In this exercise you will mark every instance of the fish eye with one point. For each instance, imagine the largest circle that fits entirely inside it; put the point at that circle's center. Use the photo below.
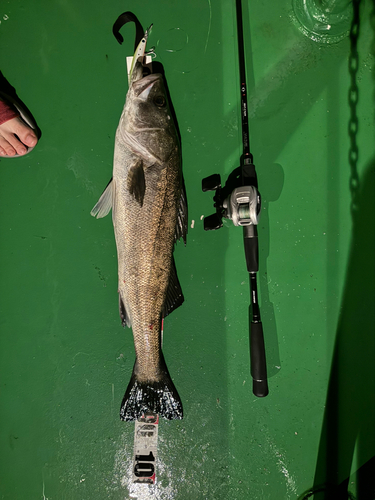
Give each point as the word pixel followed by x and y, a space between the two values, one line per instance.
pixel 159 101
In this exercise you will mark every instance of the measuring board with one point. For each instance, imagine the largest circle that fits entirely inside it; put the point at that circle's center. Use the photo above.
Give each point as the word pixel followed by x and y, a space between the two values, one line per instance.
pixel 129 60
pixel 145 449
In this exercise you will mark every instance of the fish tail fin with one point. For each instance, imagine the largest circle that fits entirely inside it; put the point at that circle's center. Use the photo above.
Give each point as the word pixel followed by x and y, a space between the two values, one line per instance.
pixel 159 397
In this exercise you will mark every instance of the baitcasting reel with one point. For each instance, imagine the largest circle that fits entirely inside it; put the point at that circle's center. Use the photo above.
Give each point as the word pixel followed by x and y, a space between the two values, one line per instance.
pixel 242 205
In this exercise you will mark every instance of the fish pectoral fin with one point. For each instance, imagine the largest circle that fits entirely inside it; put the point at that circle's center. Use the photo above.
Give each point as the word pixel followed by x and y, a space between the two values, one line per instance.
pixel 137 182
pixel 174 296
pixel 104 205
pixel 125 320
pixel 182 217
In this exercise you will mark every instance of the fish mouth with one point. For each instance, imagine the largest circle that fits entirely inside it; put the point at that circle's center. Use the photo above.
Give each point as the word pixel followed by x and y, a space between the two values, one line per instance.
pixel 143 87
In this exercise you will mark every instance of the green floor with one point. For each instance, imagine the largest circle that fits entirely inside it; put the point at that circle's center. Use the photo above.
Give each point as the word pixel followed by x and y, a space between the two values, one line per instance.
pixel 65 360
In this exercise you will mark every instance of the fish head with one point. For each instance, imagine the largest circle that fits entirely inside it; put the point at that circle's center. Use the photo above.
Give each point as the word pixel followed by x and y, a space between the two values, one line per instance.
pixel 148 117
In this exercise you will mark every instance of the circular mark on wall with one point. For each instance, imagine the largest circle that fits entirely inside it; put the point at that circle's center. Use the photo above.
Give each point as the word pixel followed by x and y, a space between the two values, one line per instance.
pixel 175 50
pixel 174 40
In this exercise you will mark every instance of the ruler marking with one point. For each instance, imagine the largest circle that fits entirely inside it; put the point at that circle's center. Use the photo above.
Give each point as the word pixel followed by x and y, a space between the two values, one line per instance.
pixel 145 449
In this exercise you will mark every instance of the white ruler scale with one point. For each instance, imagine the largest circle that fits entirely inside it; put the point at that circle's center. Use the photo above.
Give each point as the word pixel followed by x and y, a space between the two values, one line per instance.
pixel 145 449
pixel 146 444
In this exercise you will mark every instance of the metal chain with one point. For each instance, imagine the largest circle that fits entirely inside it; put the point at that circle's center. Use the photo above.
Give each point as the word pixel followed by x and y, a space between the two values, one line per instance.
pixel 353 101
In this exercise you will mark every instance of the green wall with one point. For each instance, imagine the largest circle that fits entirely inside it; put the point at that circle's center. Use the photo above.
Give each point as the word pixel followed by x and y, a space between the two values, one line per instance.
pixel 65 360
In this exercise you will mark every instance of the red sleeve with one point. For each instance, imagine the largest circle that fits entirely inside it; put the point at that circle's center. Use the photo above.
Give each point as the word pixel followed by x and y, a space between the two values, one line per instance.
pixel 6 113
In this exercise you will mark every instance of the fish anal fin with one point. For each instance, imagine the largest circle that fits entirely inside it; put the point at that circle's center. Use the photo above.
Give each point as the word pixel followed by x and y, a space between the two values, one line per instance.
pixel 104 205
pixel 174 296
pixel 136 182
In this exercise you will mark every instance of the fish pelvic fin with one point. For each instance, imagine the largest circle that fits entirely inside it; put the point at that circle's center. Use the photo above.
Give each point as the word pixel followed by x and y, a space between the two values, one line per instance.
pixel 159 397
pixel 104 205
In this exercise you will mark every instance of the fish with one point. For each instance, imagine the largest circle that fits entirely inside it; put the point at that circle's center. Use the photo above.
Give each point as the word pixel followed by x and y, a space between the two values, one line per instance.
pixel 149 213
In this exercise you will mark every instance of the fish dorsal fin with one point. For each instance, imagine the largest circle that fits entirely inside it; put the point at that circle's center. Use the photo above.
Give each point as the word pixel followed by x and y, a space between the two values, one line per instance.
pixel 137 182
pixel 182 217
pixel 104 204
pixel 174 296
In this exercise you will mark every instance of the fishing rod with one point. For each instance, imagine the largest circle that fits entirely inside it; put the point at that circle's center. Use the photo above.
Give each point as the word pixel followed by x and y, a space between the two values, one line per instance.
pixel 240 201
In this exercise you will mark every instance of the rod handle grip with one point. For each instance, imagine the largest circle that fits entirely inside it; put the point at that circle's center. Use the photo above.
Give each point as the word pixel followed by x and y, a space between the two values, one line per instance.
pixel 258 360
pixel 250 234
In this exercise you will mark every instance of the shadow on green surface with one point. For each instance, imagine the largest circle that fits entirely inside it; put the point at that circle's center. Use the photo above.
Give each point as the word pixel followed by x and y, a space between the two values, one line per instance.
pixel 348 432
pixel 270 193
pixel 350 408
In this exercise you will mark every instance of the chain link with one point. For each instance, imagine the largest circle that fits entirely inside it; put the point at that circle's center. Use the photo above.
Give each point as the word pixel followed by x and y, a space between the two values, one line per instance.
pixel 353 101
